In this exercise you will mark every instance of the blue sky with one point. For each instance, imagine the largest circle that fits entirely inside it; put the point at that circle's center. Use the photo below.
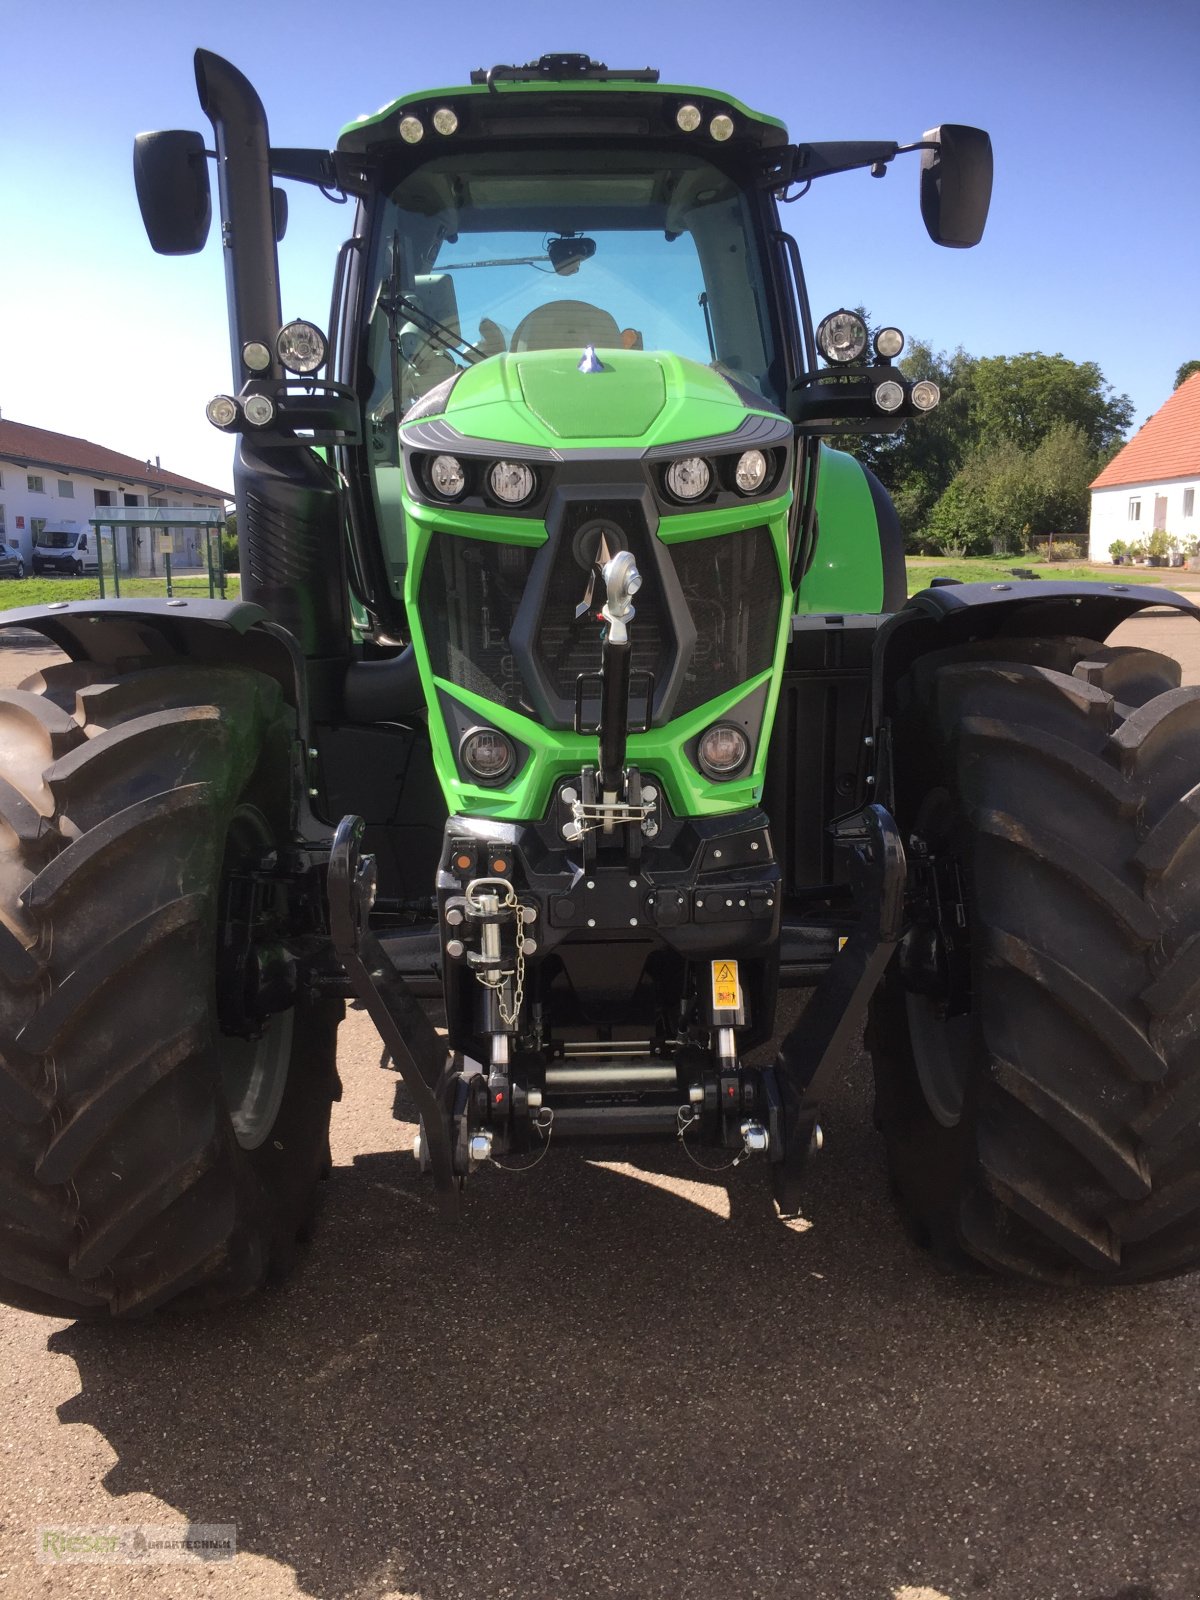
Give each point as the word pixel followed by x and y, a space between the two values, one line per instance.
pixel 1093 246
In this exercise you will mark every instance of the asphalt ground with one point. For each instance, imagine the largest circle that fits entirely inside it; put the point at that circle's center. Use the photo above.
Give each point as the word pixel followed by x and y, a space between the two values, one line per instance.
pixel 618 1376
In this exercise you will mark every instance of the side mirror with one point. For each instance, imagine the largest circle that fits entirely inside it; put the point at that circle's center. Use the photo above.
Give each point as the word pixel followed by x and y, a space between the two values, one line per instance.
pixel 279 205
pixel 956 184
pixel 170 172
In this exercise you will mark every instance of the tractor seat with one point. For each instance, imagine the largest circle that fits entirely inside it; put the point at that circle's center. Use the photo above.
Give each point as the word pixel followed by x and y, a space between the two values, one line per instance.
pixel 565 325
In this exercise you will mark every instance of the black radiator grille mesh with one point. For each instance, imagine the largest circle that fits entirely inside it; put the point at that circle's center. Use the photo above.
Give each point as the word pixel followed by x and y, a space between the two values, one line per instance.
pixel 731 587
pixel 470 591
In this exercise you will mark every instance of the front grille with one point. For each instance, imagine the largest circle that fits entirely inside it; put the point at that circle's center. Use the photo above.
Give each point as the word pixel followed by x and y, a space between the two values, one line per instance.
pixel 563 648
pixel 500 619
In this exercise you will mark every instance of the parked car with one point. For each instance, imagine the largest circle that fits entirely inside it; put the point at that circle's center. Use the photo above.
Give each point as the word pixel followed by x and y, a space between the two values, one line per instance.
pixel 12 562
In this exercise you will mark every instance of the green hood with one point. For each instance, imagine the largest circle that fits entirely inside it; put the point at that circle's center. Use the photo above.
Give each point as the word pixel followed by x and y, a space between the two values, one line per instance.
pixel 642 398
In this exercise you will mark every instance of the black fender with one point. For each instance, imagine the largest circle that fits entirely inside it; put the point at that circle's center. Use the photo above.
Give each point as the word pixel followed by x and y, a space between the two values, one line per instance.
pixel 937 619
pixel 225 633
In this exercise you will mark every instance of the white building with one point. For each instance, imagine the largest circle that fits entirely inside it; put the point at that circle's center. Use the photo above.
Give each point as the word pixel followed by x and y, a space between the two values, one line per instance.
pixel 1154 482
pixel 52 477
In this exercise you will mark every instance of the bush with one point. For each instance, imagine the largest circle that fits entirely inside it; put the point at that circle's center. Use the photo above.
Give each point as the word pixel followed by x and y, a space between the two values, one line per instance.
pixel 1065 550
pixel 1118 548
pixel 1159 543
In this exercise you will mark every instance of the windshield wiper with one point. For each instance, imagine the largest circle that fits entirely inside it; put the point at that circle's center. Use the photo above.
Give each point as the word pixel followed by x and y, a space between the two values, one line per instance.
pixel 500 261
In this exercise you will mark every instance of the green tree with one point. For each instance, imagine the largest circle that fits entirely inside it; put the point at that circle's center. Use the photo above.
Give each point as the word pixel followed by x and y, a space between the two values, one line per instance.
pixel 229 543
pixel 989 504
pixel 1002 496
pixel 1008 452
pixel 1061 470
pixel 1186 371
pixel 1023 397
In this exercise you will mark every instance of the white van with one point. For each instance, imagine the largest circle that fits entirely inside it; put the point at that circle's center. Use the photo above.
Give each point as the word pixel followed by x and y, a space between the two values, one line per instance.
pixel 65 547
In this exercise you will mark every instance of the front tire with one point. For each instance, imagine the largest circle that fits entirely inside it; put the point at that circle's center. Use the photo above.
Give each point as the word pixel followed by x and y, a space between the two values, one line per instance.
pixel 1039 1090
pixel 135 1168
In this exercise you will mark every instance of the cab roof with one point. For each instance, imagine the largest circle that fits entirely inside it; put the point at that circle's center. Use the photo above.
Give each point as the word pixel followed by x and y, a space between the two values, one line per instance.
pixel 564 96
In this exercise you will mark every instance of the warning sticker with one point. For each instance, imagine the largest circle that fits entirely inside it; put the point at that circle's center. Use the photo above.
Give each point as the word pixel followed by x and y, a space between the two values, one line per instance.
pixel 726 989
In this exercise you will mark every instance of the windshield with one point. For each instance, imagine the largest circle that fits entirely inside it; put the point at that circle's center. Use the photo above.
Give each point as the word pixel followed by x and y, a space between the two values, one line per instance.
pixel 537 250
pixel 56 540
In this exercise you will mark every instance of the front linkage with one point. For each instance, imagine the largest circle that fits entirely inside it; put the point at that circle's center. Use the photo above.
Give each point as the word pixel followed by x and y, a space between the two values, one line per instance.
pixel 509 898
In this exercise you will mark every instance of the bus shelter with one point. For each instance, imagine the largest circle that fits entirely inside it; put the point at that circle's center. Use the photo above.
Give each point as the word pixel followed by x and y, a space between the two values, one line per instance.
pixel 161 520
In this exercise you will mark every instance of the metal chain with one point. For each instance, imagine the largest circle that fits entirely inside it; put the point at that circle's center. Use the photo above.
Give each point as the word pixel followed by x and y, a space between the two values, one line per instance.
pixel 509 1018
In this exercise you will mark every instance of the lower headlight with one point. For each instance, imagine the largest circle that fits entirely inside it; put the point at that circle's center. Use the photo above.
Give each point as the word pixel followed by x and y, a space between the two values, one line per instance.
pixel 925 395
pixel 511 481
pixel 722 750
pixel 689 477
pixel 487 755
pixel 258 410
pixel 447 476
pixel 751 471
pixel 889 396
pixel 221 411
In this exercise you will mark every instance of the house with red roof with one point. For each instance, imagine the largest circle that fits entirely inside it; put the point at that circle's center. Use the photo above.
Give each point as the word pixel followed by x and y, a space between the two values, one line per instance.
pixel 54 478
pixel 1154 481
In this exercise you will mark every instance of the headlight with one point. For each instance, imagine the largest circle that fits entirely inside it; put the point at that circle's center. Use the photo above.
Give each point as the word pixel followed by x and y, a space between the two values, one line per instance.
pixel 445 120
pixel 512 482
pixel 301 347
pixel 447 476
pixel 412 130
pixel 487 754
pixel 889 396
pixel 688 118
pixel 722 750
pixel 751 471
pixel 221 411
pixel 842 336
pixel 925 395
pixel 888 343
pixel 689 477
pixel 258 410
pixel 256 355
pixel 721 128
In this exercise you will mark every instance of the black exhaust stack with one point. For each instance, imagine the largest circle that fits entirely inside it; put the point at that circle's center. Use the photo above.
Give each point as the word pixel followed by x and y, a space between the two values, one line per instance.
pixel 291 549
pixel 230 102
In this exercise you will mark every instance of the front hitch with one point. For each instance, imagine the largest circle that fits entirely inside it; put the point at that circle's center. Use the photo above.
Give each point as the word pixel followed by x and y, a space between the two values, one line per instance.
pixel 622 580
pixel 610 795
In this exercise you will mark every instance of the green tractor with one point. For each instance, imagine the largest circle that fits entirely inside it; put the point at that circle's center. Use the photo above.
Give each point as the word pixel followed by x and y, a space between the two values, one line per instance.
pixel 573 689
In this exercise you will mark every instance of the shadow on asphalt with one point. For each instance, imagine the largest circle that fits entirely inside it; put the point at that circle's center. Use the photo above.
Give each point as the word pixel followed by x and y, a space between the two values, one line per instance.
pixel 597 1388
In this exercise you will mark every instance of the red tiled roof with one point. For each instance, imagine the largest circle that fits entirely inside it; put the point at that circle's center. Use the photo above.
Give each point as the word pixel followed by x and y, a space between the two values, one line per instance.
pixel 38 447
pixel 1167 446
